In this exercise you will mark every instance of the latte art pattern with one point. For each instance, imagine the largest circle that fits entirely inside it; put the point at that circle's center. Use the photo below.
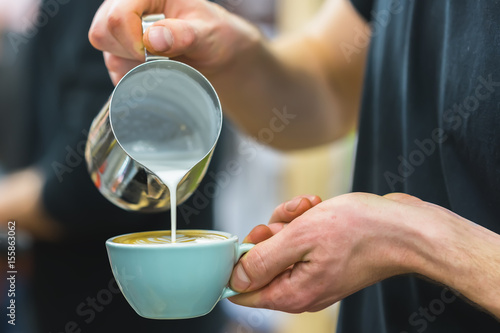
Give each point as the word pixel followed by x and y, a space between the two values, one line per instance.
pixel 152 238
pixel 180 239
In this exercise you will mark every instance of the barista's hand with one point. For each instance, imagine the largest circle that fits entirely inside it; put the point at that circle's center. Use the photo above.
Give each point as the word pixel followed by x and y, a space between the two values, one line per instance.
pixel 196 32
pixel 324 254
pixel 352 241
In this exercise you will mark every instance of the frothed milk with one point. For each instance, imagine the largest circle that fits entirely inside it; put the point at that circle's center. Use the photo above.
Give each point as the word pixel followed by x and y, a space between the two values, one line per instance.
pixel 164 237
pixel 169 150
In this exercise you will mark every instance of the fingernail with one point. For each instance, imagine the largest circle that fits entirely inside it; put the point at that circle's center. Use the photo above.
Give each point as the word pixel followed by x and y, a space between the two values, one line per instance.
pixel 160 38
pixel 242 282
pixel 292 205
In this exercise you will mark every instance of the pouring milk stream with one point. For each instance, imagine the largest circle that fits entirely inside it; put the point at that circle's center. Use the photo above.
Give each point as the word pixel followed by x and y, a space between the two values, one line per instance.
pixel 169 151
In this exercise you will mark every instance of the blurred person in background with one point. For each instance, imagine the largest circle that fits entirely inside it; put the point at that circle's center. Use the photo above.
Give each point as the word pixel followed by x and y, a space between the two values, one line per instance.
pixel 52 85
pixel 428 90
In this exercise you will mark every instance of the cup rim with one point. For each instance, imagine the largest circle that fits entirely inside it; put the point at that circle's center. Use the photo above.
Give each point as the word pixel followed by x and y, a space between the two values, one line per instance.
pixel 187 68
pixel 230 238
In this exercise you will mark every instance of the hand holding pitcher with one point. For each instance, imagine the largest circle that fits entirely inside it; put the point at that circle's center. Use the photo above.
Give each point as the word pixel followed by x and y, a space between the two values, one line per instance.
pixel 198 33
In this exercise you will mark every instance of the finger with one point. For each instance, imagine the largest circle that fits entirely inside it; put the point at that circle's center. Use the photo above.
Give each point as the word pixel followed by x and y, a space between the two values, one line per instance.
pixel 265 261
pixel 117 26
pixel 263 232
pixel 290 210
pixel 172 37
pixel 263 298
pixel 101 38
pixel 287 292
pixel 118 66
pixel 258 234
pixel 124 21
pixel 276 227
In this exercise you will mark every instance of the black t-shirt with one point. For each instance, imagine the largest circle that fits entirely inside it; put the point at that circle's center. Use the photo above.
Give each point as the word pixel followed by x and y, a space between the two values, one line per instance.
pixel 429 127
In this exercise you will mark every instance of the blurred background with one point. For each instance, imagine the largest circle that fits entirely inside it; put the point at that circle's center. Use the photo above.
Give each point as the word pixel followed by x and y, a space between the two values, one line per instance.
pixel 52 84
pixel 272 177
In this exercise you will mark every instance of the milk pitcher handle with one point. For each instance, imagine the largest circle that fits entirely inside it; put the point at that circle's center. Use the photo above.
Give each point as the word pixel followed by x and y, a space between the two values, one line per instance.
pixel 148 21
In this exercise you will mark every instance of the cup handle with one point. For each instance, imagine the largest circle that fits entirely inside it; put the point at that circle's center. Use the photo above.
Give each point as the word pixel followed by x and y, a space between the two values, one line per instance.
pixel 242 249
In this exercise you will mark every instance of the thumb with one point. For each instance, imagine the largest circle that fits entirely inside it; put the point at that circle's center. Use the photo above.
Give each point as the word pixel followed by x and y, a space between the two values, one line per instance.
pixel 264 262
pixel 170 37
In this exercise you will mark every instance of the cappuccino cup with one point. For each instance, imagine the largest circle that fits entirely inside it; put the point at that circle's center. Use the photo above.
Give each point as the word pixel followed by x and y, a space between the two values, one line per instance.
pixel 162 279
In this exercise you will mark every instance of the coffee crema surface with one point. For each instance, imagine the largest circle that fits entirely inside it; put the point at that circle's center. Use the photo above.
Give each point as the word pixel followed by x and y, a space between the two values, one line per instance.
pixel 164 237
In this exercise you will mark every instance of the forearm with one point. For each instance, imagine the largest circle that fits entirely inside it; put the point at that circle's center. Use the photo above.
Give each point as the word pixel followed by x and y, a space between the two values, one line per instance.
pixel 306 80
pixel 460 254
pixel 282 102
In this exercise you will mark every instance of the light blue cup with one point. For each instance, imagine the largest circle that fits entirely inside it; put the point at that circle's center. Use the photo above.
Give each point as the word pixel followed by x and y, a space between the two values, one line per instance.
pixel 175 281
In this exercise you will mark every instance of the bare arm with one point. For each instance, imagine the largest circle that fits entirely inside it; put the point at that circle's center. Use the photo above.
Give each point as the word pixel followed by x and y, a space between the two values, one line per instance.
pixel 305 73
pixel 304 76
pixel 462 255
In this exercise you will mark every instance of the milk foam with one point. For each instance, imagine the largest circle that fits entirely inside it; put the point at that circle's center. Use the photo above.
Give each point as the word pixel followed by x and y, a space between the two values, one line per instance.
pixel 152 238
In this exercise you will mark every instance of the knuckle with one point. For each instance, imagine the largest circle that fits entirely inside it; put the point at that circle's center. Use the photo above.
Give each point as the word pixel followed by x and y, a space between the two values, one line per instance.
pixel 268 303
pixel 393 196
pixel 188 41
pixel 278 210
pixel 352 202
pixel 291 297
pixel 401 197
pixel 297 307
pixel 356 197
pixel 301 301
pixel 188 37
pixel 114 21
pixel 96 37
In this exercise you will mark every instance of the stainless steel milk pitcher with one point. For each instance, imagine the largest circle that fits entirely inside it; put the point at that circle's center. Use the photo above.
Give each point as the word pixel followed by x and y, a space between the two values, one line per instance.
pixel 173 93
